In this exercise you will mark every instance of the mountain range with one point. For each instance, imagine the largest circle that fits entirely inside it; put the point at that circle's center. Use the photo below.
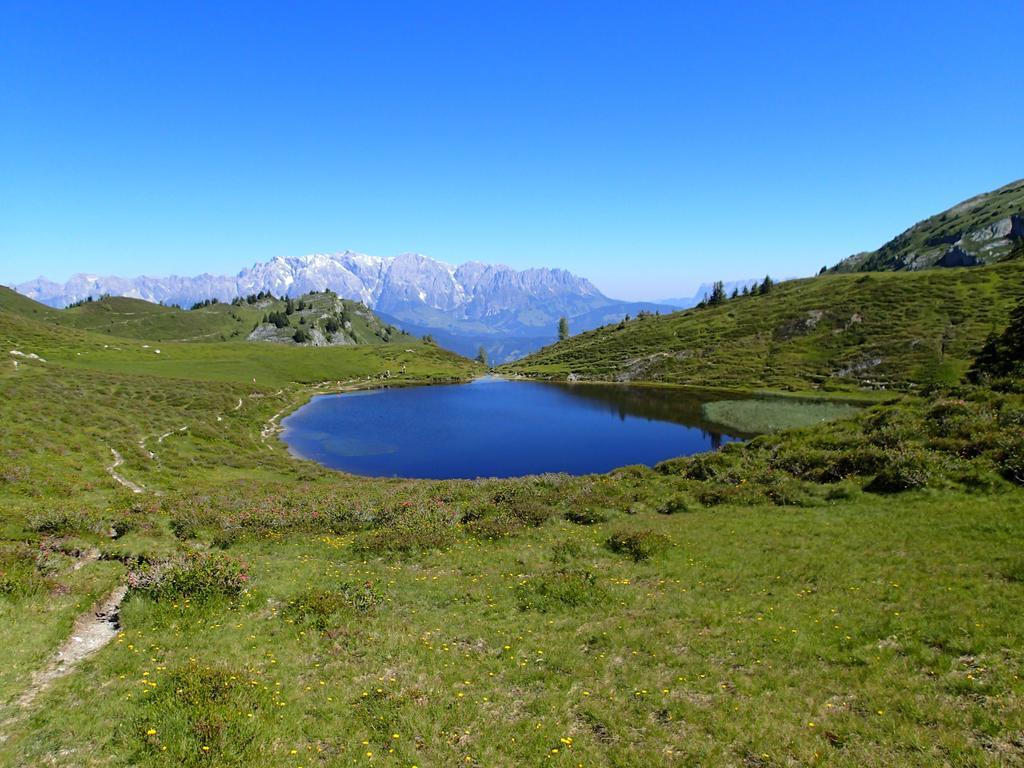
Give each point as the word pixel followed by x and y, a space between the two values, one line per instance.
pixel 509 312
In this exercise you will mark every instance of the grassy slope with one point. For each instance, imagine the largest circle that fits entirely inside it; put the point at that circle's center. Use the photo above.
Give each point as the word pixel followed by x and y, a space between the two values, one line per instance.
pixel 787 622
pixel 921 327
pixel 935 233
pixel 137 319
pixel 357 323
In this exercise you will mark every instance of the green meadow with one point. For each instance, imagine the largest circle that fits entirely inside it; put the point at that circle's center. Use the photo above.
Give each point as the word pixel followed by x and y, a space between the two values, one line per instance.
pixel 847 593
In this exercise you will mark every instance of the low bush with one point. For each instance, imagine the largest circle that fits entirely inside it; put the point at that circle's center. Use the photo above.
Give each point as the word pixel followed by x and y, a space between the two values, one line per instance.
pixel 410 527
pixel 1011 459
pixel 62 522
pixel 184 526
pixel 493 527
pixel 563 587
pixel 702 466
pixel 193 575
pixel 637 545
pixel 225 538
pixel 323 609
pixel 675 505
pixel 903 470
pixel 565 550
pixel 586 516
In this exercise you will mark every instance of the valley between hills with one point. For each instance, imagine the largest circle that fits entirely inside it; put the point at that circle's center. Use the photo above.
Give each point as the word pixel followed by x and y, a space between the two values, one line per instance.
pixel 177 589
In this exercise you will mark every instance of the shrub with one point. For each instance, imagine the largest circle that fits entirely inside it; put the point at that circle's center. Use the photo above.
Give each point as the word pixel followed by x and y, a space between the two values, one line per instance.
pixel 632 471
pixel 637 545
pixel 1011 459
pixel 225 538
pixel 572 587
pixel 407 527
pixel 586 516
pixel 520 502
pixel 60 522
pixel 565 550
pixel 494 526
pixel 184 526
pixel 675 505
pixel 193 575
pixel 903 471
pixel 702 466
pixel 323 609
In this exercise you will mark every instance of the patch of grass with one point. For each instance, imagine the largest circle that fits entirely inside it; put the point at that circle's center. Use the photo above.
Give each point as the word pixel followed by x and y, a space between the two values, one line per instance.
pixel 762 415
pixel 560 589
pixel 200 716
pixel 323 609
pixel 20 575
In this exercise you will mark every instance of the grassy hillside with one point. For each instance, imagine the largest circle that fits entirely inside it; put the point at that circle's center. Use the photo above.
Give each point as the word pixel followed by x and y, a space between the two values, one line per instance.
pixel 323 319
pixel 985 229
pixel 832 332
pixel 845 596
pixel 137 319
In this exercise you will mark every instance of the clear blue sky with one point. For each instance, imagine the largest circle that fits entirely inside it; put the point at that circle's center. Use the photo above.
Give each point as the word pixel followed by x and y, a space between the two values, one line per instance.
pixel 648 146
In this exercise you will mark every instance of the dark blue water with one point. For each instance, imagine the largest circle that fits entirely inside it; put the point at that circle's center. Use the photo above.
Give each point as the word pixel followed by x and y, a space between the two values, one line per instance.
pixel 499 428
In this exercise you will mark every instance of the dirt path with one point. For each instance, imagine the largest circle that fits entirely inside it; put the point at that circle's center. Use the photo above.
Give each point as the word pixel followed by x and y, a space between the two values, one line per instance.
pixel 165 435
pixel 92 631
pixel 112 471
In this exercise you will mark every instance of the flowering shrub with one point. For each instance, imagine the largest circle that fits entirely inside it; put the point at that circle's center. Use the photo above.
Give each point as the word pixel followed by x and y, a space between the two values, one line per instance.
pixel 195 575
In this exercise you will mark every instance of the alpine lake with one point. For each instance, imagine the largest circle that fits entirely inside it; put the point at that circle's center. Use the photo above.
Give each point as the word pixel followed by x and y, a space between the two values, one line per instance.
pixel 494 427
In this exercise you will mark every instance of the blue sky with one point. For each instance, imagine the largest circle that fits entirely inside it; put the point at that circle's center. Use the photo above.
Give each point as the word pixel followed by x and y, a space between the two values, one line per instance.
pixel 648 146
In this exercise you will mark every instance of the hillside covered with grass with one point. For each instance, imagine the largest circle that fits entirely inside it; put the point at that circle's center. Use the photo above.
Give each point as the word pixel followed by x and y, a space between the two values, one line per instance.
pixel 892 330
pixel 742 607
pixel 323 318
pixel 986 229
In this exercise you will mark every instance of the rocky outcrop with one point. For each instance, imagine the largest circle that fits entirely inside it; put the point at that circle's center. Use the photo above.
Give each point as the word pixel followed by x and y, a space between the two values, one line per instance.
pixel 986 229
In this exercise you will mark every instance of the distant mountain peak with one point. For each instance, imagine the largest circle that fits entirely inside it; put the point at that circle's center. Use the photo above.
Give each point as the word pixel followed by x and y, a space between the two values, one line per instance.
pixel 473 299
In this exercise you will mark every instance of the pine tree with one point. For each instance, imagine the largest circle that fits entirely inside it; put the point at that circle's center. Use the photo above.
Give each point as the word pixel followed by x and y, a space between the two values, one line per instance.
pixel 481 355
pixel 717 294
pixel 563 328
pixel 1002 355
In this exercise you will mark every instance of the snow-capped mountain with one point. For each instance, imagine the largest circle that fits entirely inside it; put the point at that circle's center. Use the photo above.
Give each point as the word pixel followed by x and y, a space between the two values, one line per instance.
pixel 468 305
